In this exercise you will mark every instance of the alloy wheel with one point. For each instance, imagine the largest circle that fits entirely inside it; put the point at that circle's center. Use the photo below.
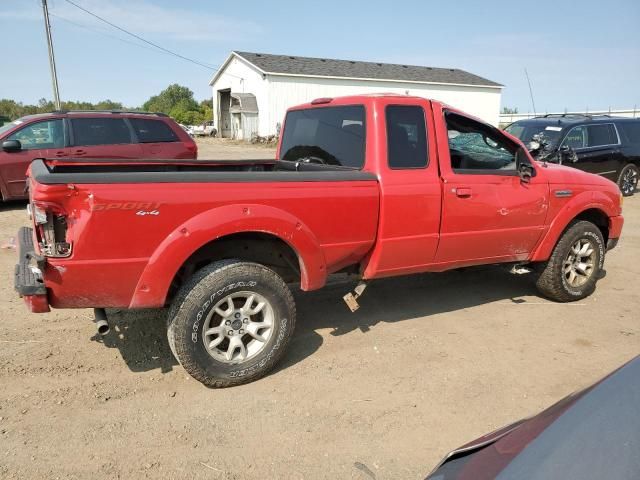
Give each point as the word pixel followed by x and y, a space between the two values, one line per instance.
pixel 579 265
pixel 238 327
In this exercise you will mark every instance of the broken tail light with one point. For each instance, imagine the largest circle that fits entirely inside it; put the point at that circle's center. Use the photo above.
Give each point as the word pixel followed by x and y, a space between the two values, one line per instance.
pixel 50 222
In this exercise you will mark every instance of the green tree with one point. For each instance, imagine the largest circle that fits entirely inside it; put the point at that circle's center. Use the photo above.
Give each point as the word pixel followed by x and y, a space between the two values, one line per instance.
pixel 207 109
pixel 13 110
pixel 172 97
pixel 190 117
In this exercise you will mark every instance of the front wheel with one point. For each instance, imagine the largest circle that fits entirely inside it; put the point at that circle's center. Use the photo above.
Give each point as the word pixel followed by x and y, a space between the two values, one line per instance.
pixel 575 264
pixel 628 179
pixel 231 323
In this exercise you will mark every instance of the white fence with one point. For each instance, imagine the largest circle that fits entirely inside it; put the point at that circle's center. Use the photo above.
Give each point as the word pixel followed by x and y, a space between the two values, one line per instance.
pixel 507 118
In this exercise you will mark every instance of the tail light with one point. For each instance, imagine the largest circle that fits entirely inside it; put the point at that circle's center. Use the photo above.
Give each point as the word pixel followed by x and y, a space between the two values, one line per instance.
pixel 192 148
pixel 51 229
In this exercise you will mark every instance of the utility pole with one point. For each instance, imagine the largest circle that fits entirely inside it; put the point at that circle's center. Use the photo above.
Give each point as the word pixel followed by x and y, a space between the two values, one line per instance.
pixel 52 60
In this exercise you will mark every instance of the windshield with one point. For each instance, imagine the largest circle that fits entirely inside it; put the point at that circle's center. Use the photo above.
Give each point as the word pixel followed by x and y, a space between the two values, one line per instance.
pixel 525 132
pixel 325 135
pixel 8 126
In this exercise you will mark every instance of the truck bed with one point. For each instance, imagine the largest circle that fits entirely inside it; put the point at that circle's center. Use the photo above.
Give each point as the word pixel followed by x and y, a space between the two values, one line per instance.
pixel 122 217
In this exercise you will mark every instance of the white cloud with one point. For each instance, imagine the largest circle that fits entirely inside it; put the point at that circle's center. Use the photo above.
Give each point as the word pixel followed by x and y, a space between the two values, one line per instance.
pixel 141 17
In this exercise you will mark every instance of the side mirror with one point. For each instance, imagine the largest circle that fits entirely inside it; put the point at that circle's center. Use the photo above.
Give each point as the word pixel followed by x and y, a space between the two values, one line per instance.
pixel 525 169
pixel 567 154
pixel 10 146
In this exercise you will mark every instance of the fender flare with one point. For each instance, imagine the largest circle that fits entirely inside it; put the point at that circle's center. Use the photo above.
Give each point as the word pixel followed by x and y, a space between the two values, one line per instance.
pixel 589 200
pixel 196 232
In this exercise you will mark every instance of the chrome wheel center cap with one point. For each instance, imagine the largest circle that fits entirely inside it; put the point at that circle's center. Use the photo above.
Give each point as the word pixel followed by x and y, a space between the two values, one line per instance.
pixel 236 324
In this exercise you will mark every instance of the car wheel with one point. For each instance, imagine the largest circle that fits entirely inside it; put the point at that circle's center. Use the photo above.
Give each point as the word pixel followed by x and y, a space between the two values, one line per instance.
pixel 575 264
pixel 231 323
pixel 213 133
pixel 628 179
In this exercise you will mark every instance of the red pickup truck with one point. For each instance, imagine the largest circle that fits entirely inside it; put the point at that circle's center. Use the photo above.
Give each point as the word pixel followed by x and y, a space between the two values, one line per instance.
pixel 374 185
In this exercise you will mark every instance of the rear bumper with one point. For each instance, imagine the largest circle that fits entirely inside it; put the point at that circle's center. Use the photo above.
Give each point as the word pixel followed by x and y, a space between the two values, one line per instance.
pixel 28 280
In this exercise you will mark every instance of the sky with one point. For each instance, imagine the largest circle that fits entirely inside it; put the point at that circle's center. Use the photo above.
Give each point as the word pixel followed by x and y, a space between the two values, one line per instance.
pixel 579 54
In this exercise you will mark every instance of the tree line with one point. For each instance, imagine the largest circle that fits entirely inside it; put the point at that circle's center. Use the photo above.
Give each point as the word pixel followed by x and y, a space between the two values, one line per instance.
pixel 176 101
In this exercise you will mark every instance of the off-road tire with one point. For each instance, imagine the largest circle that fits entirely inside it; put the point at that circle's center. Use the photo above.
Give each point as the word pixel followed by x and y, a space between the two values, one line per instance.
pixel 629 168
pixel 194 300
pixel 552 282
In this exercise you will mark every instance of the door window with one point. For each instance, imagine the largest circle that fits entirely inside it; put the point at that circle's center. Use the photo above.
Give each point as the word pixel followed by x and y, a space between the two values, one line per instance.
pixel 100 131
pixel 406 137
pixel 153 131
pixel 476 147
pixel 48 134
pixel 576 138
pixel 600 135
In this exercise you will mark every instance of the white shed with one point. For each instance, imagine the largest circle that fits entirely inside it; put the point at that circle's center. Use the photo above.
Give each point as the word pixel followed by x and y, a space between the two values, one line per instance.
pixel 252 91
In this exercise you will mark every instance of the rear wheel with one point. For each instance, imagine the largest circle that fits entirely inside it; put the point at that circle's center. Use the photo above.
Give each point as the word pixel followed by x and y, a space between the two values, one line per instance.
pixel 575 264
pixel 231 323
pixel 628 179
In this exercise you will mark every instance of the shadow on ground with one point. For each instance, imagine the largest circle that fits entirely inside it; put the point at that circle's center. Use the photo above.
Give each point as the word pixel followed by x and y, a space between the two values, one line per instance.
pixel 399 299
pixel 141 337
pixel 13 205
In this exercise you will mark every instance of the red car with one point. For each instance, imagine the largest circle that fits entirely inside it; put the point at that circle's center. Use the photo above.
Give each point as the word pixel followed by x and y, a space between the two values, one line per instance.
pixel 377 186
pixel 112 134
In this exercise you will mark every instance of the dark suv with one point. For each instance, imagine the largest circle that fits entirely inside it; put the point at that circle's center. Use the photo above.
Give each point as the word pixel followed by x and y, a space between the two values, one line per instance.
pixel 86 134
pixel 604 145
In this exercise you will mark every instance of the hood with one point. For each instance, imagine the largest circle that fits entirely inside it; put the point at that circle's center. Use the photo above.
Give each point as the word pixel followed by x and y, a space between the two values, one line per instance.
pixel 564 175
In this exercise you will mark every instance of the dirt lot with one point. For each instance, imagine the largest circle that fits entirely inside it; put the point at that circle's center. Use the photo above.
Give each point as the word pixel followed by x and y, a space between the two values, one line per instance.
pixel 428 363
pixel 222 148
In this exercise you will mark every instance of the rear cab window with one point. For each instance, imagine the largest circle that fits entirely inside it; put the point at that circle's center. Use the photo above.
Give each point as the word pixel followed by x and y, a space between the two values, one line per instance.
pixel 100 131
pixel 325 135
pixel 152 131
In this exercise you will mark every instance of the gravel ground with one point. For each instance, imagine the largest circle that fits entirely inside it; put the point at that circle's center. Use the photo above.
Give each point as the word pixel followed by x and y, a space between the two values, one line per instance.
pixel 428 363
pixel 225 149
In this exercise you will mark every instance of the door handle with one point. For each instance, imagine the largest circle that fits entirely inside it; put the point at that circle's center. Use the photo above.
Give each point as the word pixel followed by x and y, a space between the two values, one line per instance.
pixel 60 154
pixel 463 192
pixel 80 152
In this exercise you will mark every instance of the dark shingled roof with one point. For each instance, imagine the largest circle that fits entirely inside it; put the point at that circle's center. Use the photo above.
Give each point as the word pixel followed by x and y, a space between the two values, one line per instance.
pixel 327 67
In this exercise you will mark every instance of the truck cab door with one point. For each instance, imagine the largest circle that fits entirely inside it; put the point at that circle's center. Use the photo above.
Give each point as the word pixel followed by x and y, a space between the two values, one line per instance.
pixel 488 213
pixel 410 191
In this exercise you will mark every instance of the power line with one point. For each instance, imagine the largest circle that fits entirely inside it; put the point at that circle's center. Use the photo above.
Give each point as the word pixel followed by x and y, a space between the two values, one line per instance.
pixel 99 32
pixel 196 62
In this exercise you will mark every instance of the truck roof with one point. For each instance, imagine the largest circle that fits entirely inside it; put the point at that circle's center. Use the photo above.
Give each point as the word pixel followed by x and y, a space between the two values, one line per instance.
pixel 358 99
